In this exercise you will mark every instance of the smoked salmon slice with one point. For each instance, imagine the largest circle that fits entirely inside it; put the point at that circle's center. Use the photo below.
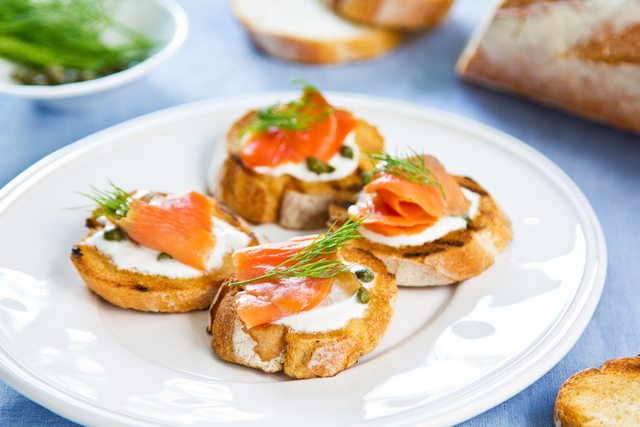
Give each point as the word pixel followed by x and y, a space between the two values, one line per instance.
pixel 179 226
pixel 399 206
pixel 276 146
pixel 269 300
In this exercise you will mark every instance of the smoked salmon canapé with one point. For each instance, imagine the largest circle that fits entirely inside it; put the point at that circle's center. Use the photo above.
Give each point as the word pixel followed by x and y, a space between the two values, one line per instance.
pixel 309 306
pixel 285 162
pixel 157 252
pixel 427 226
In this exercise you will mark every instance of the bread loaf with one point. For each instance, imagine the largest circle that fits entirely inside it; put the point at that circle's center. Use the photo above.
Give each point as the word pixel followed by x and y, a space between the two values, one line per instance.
pixel 581 56
pixel 309 31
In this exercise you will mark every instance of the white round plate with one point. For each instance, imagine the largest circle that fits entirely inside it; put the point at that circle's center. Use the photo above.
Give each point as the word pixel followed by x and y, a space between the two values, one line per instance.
pixel 451 352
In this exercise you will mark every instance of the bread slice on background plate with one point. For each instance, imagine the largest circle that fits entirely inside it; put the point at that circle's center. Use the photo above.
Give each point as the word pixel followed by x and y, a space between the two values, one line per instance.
pixel 609 396
pixel 582 56
pixel 457 256
pixel 129 275
pixel 309 31
pixel 293 203
pixel 397 14
pixel 275 347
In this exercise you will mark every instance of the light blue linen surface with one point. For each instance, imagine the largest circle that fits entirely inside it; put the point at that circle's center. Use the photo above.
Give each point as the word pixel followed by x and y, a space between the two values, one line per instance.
pixel 217 61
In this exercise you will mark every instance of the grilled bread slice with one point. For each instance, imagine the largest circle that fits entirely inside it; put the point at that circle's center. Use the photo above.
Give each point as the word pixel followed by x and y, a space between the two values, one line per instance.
pixel 580 56
pixel 457 256
pixel 609 396
pixel 309 31
pixel 275 347
pixel 288 201
pixel 397 14
pixel 152 292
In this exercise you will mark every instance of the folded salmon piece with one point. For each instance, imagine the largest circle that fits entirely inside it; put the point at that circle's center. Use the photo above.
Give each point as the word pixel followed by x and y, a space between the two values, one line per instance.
pixel 269 300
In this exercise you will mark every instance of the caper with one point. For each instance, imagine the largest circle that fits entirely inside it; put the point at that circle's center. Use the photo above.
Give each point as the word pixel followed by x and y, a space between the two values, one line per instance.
pixel 114 235
pixel 363 295
pixel 346 151
pixel 365 275
pixel 163 256
pixel 318 166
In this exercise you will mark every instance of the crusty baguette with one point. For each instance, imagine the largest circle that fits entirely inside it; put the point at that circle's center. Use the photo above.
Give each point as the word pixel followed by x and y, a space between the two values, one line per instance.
pixel 397 14
pixel 147 292
pixel 580 56
pixel 293 203
pixel 308 31
pixel 609 396
pixel 457 256
pixel 274 348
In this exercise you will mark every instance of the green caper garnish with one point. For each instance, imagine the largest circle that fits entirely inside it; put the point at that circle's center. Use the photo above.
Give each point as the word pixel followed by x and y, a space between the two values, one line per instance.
pixel 318 166
pixel 163 256
pixel 363 295
pixel 114 235
pixel 346 151
pixel 365 275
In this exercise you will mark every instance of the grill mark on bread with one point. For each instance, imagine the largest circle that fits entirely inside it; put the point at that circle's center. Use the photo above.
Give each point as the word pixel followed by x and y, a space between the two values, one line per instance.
pixel 140 288
pixel 426 253
pixel 77 252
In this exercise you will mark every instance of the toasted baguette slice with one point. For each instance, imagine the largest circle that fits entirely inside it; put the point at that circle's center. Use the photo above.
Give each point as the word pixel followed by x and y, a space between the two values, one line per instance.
pixel 609 396
pixel 150 292
pixel 397 14
pixel 293 203
pixel 308 31
pixel 274 347
pixel 580 56
pixel 457 256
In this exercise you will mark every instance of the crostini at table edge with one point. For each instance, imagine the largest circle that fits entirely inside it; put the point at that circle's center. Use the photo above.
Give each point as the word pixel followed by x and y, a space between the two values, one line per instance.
pixel 156 252
pixel 286 162
pixel 428 227
pixel 309 306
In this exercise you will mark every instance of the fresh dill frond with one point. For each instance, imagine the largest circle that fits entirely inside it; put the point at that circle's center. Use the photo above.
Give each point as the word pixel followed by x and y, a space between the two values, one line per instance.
pixel 303 114
pixel 113 203
pixel 67 34
pixel 311 261
pixel 413 168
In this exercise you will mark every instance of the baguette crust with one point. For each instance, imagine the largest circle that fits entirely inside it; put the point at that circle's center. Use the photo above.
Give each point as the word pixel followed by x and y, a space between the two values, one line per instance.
pixel 579 56
pixel 293 203
pixel 150 292
pixel 337 44
pixel 455 257
pixel 397 14
pixel 608 396
pixel 274 348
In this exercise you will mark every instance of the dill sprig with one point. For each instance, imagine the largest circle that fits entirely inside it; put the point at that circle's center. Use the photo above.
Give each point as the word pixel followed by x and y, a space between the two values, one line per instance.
pixel 38 34
pixel 310 261
pixel 303 114
pixel 413 168
pixel 113 203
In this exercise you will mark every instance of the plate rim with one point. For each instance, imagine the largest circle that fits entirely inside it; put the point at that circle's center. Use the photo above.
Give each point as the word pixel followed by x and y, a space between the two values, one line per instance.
pixel 73 408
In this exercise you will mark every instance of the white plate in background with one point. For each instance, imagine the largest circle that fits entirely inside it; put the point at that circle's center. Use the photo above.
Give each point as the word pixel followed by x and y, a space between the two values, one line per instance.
pixel 451 352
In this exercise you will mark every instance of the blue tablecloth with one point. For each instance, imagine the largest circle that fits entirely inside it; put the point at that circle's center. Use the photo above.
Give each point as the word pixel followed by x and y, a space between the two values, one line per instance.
pixel 217 60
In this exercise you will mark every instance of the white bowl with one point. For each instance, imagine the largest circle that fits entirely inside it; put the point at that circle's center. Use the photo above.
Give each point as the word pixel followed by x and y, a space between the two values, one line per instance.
pixel 161 20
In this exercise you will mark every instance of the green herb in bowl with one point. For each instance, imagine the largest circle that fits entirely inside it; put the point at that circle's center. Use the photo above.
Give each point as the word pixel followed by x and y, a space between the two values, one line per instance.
pixel 61 41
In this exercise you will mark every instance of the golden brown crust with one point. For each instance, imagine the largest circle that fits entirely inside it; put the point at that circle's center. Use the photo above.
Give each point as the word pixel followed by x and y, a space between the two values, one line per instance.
pixel 291 202
pixel 457 256
pixel 405 15
pixel 601 397
pixel 129 289
pixel 274 348
pixel 595 77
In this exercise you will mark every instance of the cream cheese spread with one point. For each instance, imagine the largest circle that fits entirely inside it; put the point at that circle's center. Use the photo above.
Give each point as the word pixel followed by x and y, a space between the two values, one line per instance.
pixel 343 165
pixel 129 256
pixel 332 313
pixel 441 228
